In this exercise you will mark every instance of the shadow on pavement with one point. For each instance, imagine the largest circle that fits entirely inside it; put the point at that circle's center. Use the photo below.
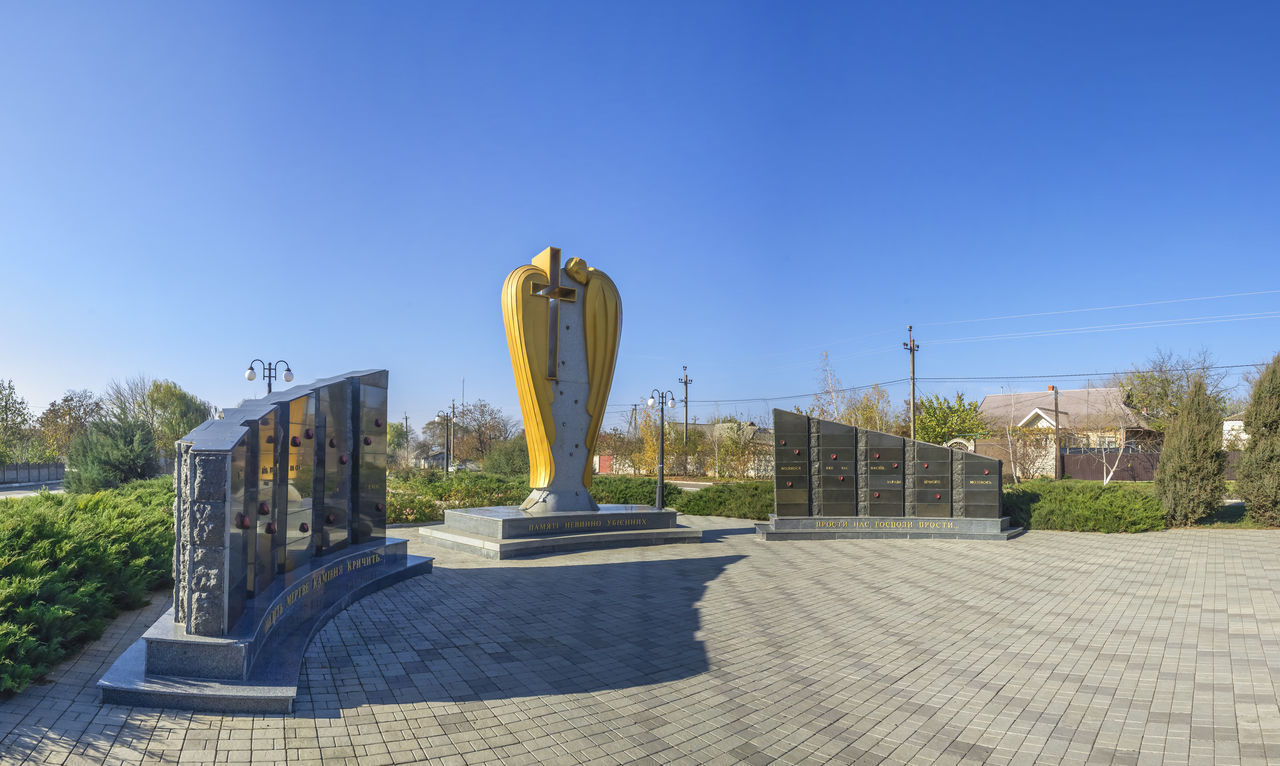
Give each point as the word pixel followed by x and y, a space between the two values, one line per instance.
pixel 481 634
pixel 719 535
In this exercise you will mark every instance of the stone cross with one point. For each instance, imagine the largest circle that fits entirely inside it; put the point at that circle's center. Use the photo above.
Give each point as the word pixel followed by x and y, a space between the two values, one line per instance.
pixel 554 293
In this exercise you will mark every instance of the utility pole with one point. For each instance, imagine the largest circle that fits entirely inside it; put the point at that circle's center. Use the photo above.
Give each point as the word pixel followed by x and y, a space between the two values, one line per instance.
pixel 686 380
pixel 1057 440
pixel 912 347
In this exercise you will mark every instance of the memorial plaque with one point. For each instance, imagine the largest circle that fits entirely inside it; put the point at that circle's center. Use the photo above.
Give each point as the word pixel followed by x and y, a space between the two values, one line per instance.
pixel 299 449
pixel 237 536
pixel 333 431
pixel 883 481
pixel 791 464
pixel 370 512
pixel 263 523
pixel 792 482
pixel 982 498
pixel 935 502
pixel 839 502
pixel 885 502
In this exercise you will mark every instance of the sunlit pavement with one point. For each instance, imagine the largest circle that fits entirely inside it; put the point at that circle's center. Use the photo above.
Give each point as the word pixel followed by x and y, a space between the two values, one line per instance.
pixel 1050 648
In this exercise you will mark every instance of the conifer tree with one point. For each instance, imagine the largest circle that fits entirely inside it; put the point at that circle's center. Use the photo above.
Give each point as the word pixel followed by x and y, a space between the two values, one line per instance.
pixel 1189 479
pixel 113 450
pixel 1258 475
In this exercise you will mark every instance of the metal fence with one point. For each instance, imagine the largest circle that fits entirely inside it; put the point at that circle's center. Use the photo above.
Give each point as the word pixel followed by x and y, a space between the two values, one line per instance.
pixel 1129 466
pixel 30 473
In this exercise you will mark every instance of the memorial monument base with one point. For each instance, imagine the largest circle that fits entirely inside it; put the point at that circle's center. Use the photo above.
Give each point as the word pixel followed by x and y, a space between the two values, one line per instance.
pixel 884 527
pixel 255 668
pixel 504 532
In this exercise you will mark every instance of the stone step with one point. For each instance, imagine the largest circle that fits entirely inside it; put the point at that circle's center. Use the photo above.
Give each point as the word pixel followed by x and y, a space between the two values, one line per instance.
pixel 497 548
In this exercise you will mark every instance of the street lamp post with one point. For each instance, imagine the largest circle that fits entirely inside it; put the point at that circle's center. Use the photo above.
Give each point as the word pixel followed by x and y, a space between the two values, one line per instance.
pixel 447 419
pixel 664 399
pixel 269 372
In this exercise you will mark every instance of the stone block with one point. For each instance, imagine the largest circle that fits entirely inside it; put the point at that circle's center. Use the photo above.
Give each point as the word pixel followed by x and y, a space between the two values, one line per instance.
pixel 208 523
pixel 206 614
pixel 210 478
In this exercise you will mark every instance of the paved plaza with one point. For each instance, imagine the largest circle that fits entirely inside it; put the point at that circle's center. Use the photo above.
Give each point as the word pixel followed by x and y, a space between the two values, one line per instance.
pixel 1051 648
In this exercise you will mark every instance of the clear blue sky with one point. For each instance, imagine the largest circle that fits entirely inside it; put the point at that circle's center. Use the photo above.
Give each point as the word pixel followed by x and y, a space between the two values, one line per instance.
pixel 346 185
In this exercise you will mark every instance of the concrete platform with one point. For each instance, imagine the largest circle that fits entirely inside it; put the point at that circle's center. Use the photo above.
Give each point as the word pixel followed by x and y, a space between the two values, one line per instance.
pixel 503 532
pixel 884 527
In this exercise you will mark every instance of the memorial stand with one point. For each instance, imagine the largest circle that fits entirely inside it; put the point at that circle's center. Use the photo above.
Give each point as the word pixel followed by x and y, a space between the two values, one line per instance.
pixel 279 524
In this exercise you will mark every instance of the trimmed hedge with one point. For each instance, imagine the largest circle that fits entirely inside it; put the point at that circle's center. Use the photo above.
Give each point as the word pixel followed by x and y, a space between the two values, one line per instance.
pixel 70 562
pixel 740 500
pixel 1075 505
pixel 421 496
pixel 634 490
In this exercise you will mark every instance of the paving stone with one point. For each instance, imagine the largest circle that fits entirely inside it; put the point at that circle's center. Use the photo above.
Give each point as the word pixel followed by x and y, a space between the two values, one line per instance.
pixel 1052 648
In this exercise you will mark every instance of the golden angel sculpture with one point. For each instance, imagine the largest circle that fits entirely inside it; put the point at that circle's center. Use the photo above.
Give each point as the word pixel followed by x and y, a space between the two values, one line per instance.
pixel 563 327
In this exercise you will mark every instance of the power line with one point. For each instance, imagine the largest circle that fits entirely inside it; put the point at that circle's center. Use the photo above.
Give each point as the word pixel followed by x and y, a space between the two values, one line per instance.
pixel 967 379
pixel 1090 329
pixel 1102 308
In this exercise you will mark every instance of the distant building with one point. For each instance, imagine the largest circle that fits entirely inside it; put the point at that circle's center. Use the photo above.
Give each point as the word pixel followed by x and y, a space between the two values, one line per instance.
pixel 1087 418
pixel 1233 433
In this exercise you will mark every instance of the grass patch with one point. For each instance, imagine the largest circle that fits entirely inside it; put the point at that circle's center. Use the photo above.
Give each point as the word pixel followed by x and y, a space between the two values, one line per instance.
pixel 1230 517
pixel 68 563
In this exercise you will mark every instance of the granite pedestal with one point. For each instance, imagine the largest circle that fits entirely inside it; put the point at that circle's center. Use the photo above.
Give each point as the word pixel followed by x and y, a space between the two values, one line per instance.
pixel 503 532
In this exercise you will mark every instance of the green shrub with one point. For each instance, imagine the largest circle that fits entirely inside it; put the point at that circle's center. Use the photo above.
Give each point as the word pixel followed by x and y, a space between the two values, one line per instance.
pixel 740 500
pixel 1190 478
pixel 509 458
pixel 417 496
pixel 69 562
pixel 633 490
pixel 1258 474
pixel 111 452
pixel 1083 506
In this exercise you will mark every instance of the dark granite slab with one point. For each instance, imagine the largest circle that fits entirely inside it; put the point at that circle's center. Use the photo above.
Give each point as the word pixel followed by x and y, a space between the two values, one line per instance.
pixel 509 522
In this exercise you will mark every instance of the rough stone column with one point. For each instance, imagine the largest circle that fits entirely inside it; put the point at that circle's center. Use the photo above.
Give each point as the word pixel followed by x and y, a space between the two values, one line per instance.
pixel 957 483
pixel 203 525
pixel 909 477
pixel 864 473
pixel 180 500
pixel 815 468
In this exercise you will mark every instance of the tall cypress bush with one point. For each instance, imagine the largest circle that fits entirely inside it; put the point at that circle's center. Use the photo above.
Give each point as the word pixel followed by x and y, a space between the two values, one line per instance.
pixel 1258 474
pixel 1190 478
pixel 114 450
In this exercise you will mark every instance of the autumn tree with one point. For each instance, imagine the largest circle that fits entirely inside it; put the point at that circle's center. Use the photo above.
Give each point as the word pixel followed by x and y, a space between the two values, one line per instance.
pixel 65 419
pixel 477 428
pixel 1258 474
pixel 1189 479
pixel 625 446
pixel 173 414
pixel 938 420
pixel 868 407
pixel 15 417
pixel 1161 386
